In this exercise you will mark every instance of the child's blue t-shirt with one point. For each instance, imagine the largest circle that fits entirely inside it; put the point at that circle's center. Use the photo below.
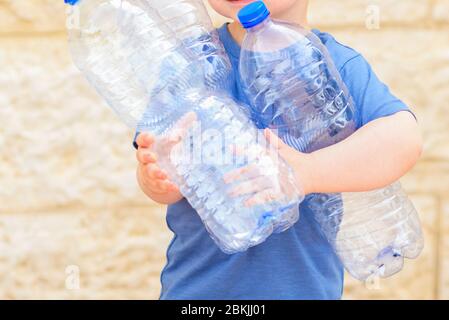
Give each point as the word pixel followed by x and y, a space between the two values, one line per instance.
pixel 296 264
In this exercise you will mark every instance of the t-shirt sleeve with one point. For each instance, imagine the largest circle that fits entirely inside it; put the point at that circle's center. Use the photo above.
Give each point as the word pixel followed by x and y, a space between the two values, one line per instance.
pixel 372 98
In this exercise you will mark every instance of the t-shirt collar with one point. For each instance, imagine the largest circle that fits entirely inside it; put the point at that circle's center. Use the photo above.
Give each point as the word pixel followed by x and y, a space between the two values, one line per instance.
pixel 232 47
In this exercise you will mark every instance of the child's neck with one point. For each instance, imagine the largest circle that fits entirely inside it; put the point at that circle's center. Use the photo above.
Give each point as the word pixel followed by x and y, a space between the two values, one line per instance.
pixel 298 16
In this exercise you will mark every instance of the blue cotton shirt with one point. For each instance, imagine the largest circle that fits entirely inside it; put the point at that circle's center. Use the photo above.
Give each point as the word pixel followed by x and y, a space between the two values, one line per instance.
pixel 296 264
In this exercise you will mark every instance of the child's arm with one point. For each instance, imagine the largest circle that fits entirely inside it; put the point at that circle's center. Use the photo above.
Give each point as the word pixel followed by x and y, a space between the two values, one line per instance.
pixel 376 155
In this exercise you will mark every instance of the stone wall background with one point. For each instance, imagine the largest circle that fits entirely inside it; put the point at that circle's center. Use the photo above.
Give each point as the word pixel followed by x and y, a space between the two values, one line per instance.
pixel 70 208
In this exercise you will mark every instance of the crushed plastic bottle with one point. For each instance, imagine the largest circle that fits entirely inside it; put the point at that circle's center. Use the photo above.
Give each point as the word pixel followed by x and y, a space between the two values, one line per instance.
pixel 156 78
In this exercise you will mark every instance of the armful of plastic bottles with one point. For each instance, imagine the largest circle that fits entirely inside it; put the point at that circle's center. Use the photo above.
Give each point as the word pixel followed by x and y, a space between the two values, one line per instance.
pixel 293 85
pixel 131 55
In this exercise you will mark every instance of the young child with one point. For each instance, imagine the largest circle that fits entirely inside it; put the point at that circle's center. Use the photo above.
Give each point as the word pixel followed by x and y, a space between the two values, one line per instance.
pixel 298 263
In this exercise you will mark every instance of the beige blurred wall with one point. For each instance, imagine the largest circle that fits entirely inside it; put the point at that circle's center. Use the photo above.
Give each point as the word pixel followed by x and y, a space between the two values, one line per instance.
pixel 70 208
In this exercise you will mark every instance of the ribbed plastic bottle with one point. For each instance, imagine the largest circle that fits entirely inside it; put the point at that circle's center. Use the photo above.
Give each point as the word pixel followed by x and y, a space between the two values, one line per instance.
pixel 295 89
pixel 156 79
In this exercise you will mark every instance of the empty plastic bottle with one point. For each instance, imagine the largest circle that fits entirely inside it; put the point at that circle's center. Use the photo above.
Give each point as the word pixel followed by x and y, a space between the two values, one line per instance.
pixel 295 89
pixel 157 81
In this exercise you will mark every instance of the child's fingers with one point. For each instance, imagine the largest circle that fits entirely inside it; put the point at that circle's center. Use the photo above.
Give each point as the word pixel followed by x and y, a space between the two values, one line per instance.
pixel 250 152
pixel 181 128
pixel 155 172
pixel 186 121
pixel 256 185
pixel 145 157
pixel 161 186
pixel 145 140
pixel 266 196
pixel 249 171
pixel 166 186
pixel 156 179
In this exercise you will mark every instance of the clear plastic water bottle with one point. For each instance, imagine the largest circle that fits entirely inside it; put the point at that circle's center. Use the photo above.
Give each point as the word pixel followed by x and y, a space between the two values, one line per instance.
pixel 295 89
pixel 155 82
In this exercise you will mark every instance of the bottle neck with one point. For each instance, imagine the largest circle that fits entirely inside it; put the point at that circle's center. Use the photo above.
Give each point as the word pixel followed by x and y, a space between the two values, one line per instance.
pixel 260 26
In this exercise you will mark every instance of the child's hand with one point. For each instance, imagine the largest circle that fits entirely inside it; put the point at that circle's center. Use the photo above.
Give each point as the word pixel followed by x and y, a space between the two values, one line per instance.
pixel 151 175
pixel 153 180
pixel 258 186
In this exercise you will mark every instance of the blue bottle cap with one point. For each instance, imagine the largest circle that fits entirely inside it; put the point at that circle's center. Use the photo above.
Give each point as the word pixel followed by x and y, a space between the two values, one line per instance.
pixel 71 2
pixel 253 14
